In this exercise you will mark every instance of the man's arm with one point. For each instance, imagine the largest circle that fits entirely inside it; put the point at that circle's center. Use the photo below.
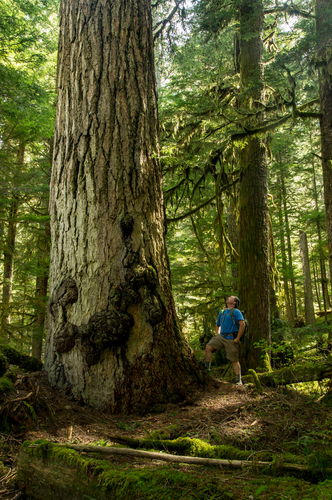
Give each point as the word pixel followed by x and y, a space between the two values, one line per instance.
pixel 240 332
pixel 217 329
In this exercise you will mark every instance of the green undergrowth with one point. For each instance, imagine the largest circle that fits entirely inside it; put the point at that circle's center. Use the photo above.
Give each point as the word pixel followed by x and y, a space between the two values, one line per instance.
pixel 6 385
pixel 101 479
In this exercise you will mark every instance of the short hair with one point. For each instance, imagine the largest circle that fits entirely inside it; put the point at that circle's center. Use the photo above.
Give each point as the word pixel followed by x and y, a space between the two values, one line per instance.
pixel 237 302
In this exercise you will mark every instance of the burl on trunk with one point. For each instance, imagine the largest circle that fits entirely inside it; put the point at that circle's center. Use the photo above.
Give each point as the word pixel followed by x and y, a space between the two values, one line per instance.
pixel 113 333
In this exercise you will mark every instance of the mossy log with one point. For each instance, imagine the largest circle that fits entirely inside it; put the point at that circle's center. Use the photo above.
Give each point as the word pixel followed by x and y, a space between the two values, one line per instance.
pixel 50 471
pixel 297 373
pixel 14 357
pixel 190 446
pixel 47 471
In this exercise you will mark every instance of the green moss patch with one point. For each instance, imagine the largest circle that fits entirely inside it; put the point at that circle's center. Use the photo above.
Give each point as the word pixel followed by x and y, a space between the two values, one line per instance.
pixel 47 470
pixel 6 385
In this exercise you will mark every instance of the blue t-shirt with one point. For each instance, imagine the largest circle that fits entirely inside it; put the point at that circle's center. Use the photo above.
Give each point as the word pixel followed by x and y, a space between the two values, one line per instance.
pixel 226 323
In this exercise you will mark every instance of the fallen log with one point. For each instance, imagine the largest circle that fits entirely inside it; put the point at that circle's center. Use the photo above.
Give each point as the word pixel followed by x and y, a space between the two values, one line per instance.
pixel 48 471
pixel 14 357
pixel 302 372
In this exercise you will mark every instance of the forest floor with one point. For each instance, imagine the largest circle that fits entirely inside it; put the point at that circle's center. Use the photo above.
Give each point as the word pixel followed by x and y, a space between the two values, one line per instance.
pixel 276 420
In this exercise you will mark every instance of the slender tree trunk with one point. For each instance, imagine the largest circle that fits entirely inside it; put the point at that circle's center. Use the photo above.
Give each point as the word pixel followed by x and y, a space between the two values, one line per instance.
pixel 8 266
pixel 289 246
pixel 41 293
pixel 113 332
pixel 254 280
pixel 316 285
pixel 324 281
pixel 324 40
pixel 308 297
pixel 289 310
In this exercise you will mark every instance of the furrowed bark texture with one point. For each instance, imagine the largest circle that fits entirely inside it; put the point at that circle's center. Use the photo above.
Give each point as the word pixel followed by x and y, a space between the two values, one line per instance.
pixel 324 55
pixel 254 235
pixel 113 333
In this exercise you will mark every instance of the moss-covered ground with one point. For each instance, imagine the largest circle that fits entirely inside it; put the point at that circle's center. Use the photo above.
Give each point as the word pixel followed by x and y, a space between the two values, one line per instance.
pixel 223 420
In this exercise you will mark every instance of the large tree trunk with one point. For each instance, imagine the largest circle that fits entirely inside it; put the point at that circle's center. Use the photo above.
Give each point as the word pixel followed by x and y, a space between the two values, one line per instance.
pixel 113 332
pixel 254 280
pixel 324 39
pixel 308 296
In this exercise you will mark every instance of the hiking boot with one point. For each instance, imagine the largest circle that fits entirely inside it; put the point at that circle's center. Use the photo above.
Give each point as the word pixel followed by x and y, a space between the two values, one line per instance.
pixel 239 382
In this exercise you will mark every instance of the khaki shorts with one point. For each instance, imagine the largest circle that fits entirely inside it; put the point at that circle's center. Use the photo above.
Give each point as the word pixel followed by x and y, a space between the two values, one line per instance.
pixel 232 350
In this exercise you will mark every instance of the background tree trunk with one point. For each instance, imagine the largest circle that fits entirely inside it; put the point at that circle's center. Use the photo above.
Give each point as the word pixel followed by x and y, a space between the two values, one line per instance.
pixel 41 293
pixel 308 297
pixel 233 234
pixel 289 310
pixel 289 245
pixel 324 39
pixel 254 279
pixel 8 256
pixel 113 332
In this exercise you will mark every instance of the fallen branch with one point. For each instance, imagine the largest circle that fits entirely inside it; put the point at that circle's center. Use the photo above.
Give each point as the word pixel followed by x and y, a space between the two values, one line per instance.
pixel 180 459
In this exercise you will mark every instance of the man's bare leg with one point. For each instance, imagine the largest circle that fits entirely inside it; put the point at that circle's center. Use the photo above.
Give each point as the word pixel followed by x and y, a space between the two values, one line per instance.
pixel 237 371
pixel 208 356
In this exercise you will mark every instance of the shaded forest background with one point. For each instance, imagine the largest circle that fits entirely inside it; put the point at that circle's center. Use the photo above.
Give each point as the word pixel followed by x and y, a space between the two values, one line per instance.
pixel 202 128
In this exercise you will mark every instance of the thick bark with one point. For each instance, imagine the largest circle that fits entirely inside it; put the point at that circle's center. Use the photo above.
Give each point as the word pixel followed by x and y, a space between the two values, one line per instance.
pixel 254 280
pixel 113 332
pixel 308 296
pixel 324 39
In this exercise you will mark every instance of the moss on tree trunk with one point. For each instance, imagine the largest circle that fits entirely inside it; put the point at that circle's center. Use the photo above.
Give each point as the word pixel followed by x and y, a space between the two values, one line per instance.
pixel 254 279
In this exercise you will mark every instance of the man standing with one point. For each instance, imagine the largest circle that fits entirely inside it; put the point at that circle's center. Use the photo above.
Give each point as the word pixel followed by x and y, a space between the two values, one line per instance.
pixel 229 330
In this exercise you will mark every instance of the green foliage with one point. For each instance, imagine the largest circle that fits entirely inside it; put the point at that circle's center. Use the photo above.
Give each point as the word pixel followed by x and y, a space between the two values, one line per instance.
pixel 128 426
pixel 6 385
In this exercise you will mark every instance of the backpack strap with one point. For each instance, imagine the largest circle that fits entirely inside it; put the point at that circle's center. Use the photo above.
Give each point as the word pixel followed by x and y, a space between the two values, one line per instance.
pixel 232 316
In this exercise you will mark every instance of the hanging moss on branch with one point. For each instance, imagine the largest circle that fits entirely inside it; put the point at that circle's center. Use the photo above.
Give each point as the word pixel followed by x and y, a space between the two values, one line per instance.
pixel 14 357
